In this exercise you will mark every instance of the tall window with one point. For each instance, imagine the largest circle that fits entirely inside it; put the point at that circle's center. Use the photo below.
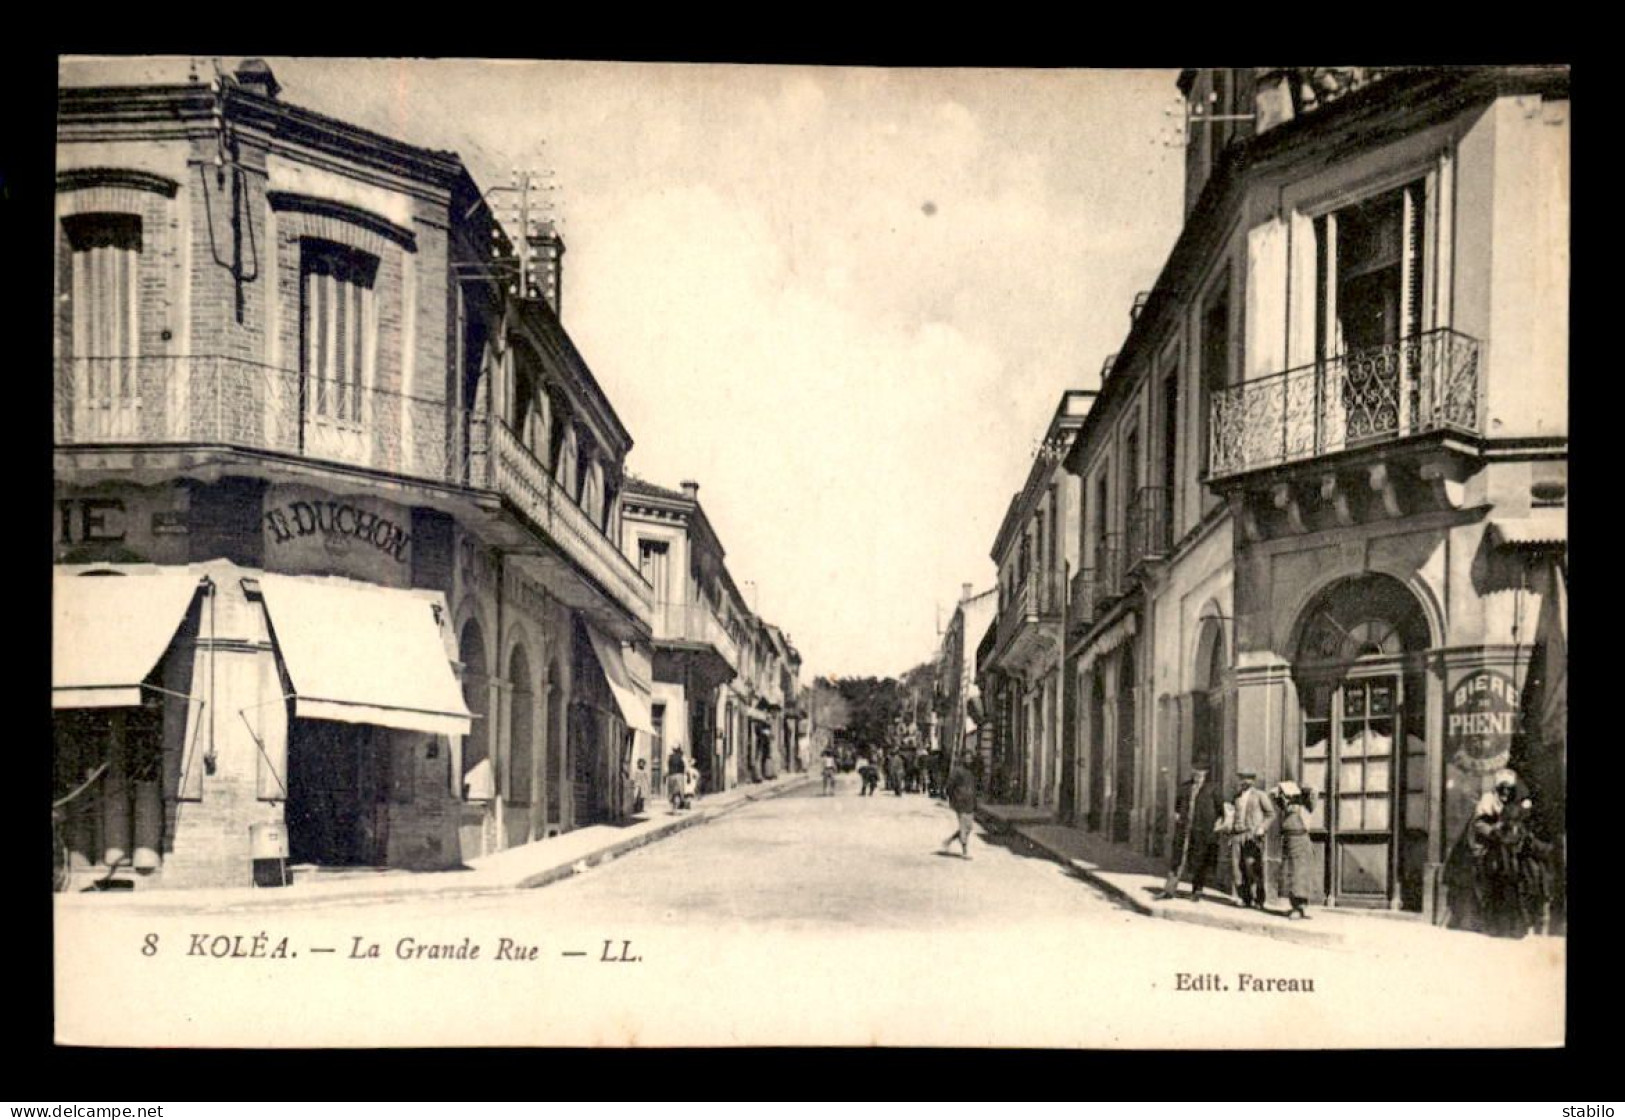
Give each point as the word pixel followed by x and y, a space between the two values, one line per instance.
pixel 1170 440
pixel 652 558
pixel 1215 358
pixel 592 492
pixel 1369 272
pixel 106 329
pixel 564 473
pixel 338 319
pixel 106 254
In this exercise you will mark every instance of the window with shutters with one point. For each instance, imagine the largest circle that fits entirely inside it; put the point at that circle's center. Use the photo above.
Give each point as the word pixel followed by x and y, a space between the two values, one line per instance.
pixel 105 301
pixel 1370 317
pixel 338 321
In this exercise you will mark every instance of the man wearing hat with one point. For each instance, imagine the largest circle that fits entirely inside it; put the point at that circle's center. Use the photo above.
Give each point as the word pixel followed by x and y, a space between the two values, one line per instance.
pixel 1254 815
pixel 1198 812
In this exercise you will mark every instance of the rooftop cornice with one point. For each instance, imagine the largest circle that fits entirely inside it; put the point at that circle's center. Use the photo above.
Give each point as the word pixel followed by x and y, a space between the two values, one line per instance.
pixel 156 104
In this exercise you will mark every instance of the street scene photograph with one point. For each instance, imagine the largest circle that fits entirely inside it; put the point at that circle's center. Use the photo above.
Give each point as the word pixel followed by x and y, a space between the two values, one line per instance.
pixel 631 554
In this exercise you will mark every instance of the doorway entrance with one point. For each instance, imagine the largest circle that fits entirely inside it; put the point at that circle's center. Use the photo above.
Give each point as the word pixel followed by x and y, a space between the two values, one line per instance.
pixel 337 811
pixel 1363 742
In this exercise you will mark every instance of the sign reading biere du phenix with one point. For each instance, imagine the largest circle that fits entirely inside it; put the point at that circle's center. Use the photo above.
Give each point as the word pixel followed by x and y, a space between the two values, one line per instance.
pixel 1481 714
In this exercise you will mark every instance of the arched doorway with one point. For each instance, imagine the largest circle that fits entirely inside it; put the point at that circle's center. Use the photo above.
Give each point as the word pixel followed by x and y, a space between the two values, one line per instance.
pixel 553 776
pixel 1127 743
pixel 521 752
pixel 1097 752
pixel 1208 701
pixel 1362 745
pixel 478 781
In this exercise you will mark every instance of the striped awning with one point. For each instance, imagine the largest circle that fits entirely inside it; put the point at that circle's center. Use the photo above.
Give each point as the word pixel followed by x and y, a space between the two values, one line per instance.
pixel 1110 638
pixel 1541 528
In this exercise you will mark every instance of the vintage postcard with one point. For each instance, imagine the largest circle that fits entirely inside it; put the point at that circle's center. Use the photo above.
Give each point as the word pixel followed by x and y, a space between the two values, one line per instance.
pixel 628 554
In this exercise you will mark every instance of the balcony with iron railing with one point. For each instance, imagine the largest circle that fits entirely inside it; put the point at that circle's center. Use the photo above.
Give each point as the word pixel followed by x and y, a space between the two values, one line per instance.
pixel 194 401
pixel 154 401
pixel 1148 534
pixel 694 623
pixel 1098 585
pixel 1031 617
pixel 1428 383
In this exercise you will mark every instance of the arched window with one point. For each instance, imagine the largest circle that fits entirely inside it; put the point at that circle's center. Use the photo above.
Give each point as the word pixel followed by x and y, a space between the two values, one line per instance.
pixel 592 492
pixel 565 471
pixel 1366 616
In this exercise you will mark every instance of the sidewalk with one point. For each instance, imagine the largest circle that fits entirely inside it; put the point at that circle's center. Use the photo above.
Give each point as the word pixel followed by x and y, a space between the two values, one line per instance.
pixel 1136 880
pixel 530 865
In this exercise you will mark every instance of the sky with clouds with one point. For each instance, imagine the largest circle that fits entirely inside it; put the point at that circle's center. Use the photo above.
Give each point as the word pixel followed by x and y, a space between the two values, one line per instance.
pixel 844 300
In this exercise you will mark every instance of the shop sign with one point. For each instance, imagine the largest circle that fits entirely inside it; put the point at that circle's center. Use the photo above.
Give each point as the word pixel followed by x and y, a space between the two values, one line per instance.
pixel 126 524
pixel 305 527
pixel 1481 714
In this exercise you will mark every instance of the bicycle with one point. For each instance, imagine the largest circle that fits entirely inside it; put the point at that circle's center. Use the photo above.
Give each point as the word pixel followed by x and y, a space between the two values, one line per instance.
pixel 61 859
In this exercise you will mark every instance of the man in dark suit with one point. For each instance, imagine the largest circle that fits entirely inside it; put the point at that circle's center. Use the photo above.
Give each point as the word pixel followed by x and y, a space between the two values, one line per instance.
pixel 1197 811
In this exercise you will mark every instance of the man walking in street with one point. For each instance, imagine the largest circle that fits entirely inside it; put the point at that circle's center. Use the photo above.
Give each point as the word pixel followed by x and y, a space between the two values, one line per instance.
pixel 1198 812
pixel 894 773
pixel 1254 815
pixel 962 800
pixel 675 766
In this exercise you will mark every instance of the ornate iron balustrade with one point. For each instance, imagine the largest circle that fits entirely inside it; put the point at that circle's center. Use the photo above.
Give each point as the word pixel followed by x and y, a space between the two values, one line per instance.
pixel 499 460
pixel 209 399
pixel 1148 525
pixel 1427 383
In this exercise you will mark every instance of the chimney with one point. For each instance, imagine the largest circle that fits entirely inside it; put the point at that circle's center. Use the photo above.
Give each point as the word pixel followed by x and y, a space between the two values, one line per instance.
pixel 964 592
pixel 691 490
pixel 256 77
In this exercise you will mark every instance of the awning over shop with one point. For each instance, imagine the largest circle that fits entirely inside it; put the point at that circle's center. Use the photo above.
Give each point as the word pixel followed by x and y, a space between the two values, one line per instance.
pixel 361 654
pixel 1112 637
pixel 108 632
pixel 1547 527
pixel 633 704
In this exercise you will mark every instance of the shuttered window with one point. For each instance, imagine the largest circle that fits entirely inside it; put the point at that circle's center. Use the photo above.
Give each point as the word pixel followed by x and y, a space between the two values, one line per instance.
pixel 105 295
pixel 338 321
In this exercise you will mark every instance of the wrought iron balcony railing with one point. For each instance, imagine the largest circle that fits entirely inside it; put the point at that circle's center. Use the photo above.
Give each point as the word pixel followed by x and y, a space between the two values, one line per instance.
pixel 1148 526
pixel 1427 383
pixel 193 399
pixel 694 622
pixel 1037 600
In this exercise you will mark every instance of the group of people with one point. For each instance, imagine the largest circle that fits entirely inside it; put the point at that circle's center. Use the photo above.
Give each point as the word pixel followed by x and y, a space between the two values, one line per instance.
pixel 919 772
pixel 1206 824
pixel 1512 868
pixel 1507 873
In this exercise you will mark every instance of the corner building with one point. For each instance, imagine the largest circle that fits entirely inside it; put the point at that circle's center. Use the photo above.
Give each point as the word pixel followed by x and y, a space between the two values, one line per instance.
pixel 336 502
pixel 1348 393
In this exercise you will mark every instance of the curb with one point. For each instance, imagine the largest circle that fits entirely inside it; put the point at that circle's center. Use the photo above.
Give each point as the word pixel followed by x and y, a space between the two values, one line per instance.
pixel 1213 919
pixel 176 900
pixel 607 855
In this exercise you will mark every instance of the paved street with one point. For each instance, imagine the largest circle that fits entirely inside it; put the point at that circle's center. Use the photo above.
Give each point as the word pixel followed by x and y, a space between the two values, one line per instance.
pixel 799 920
